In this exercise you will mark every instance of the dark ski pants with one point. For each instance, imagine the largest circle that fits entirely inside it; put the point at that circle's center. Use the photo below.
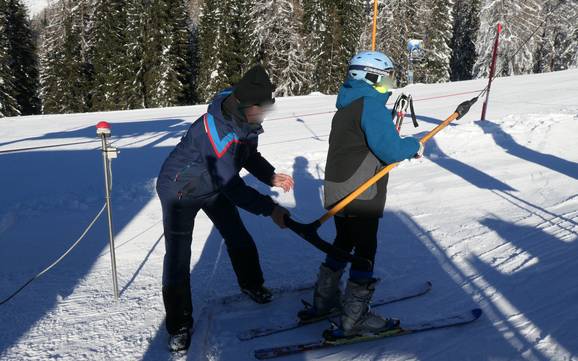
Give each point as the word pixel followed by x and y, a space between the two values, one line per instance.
pixel 359 234
pixel 178 221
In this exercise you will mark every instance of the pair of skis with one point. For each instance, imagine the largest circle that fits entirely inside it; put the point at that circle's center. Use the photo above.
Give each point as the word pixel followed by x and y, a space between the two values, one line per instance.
pixel 399 295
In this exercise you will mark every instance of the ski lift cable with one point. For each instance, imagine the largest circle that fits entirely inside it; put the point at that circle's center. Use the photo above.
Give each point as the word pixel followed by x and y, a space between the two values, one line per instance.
pixel 562 2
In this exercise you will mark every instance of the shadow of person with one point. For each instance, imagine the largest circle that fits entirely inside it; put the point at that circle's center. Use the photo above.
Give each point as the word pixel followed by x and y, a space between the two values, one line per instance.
pixel 470 174
pixel 308 191
pixel 507 142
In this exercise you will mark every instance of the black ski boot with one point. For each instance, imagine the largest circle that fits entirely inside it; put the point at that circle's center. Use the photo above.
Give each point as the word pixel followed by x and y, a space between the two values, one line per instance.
pixel 179 311
pixel 181 340
pixel 259 294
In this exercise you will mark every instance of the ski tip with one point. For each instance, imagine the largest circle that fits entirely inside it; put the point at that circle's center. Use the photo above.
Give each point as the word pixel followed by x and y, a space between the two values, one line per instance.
pixel 477 312
pixel 429 284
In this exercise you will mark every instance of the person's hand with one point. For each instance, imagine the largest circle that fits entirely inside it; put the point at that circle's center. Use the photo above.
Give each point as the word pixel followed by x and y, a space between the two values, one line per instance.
pixel 282 181
pixel 419 153
pixel 278 216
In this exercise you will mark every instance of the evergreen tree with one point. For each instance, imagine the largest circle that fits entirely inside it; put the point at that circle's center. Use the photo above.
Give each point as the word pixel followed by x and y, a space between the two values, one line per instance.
pixel 316 32
pixel 23 60
pixel 350 14
pixel 366 36
pixel 277 36
pixel 333 29
pixel 108 56
pixel 157 42
pixel 466 14
pixel 519 20
pixel 237 52
pixel 136 35
pixel 400 22
pixel 193 66
pixel 209 79
pixel 436 67
pixel 65 72
pixel 224 47
pixel 556 44
pixel 8 104
pixel 183 51
pixel 169 52
pixel 158 79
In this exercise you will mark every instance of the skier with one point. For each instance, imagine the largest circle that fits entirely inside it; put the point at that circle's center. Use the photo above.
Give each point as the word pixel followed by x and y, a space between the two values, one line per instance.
pixel 363 139
pixel 202 172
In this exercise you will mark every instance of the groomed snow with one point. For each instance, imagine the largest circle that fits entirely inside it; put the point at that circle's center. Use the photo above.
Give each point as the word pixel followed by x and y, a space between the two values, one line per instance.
pixel 489 215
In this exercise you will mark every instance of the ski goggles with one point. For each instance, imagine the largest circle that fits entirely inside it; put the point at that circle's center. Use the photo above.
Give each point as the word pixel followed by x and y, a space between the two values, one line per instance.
pixel 382 80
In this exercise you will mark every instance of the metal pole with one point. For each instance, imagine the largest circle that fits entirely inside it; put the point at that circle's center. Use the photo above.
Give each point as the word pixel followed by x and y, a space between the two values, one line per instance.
pixel 103 129
pixel 492 70
pixel 410 69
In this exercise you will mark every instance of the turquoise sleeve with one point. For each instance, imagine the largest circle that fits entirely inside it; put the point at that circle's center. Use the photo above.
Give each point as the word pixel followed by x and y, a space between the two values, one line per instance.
pixel 381 135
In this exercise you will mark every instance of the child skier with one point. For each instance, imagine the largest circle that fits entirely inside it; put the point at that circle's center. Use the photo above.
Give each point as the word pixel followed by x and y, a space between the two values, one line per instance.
pixel 202 172
pixel 363 139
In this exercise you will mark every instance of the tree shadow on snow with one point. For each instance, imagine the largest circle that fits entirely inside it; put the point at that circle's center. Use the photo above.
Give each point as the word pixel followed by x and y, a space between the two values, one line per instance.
pixel 49 197
pixel 168 127
pixel 530 279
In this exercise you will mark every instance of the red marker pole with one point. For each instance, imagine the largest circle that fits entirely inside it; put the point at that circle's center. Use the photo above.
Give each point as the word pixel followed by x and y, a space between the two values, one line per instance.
pixel 492 70
pixel 108 153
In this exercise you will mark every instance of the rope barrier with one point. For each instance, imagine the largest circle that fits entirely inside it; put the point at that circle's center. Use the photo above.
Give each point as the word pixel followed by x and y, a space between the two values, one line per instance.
pixel 58 260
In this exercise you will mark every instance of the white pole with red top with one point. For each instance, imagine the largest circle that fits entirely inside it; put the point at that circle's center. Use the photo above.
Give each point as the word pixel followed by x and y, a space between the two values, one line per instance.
pixel 108 153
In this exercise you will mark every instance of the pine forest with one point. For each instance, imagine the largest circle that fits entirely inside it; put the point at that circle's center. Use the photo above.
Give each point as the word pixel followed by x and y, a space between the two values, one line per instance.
pixel 101 55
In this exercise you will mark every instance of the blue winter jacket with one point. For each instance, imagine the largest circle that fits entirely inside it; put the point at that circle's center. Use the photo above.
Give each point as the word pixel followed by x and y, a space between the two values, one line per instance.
pixel 377 123
pixel 210 156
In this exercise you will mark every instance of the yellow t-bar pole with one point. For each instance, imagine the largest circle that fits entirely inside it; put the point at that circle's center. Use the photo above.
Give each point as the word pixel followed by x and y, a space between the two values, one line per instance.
pixel 460 111
pixel 374 25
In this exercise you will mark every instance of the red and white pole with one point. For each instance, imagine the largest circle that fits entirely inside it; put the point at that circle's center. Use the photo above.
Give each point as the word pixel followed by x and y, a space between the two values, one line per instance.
pixel 492 71
pixel 108 153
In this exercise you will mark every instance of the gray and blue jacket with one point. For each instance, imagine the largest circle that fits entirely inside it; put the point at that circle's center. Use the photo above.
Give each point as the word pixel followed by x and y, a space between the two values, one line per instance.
pixel 363 139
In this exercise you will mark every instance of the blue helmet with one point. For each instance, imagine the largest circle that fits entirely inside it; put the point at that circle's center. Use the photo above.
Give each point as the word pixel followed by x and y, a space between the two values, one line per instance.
pixel 372 67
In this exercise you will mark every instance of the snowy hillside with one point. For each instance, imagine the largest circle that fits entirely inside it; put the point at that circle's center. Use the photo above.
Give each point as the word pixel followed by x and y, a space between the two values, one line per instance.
pixel 489 215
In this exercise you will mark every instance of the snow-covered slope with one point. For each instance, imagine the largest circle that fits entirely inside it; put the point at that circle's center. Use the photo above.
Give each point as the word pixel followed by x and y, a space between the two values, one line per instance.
pixel 490 216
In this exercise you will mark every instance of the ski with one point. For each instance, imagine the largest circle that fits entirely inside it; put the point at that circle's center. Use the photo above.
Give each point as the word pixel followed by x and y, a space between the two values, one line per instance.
pixel 399 295
pixel 443 322
pixel 277 291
